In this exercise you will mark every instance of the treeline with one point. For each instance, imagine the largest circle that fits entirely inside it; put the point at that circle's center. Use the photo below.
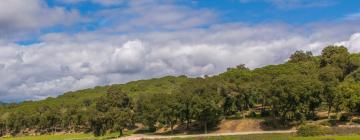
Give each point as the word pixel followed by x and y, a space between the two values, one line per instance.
pixel 287 93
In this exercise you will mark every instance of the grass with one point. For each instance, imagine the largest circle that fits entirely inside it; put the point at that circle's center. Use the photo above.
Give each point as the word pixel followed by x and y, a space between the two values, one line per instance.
pixel 83 136
pixel 76 136
pixel 274 137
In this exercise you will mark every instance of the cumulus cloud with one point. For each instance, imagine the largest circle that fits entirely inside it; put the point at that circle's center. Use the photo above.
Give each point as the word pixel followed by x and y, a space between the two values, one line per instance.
pixel 17 17
pixel 159 39
pixel 64 62
pixel 353 44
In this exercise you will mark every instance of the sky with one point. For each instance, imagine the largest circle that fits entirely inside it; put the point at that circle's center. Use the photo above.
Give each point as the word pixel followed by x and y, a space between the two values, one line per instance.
pixel 54 46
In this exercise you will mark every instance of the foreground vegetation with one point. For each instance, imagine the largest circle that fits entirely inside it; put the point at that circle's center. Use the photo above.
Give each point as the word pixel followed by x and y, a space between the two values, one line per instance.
pixel 75 136
pixel 273 137
pixel 285 95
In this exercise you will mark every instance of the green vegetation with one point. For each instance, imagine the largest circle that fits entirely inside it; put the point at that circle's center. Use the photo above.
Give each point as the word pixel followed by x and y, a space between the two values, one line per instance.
pixel 313 130
pixel 273 137
pixel 75 136
pixel 286 94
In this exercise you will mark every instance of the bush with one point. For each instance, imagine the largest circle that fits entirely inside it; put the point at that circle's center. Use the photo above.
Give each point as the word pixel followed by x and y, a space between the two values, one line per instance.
pixel 313 130
pixel 344 118
pixel 299 116
pixel 264 113
pixel 238 115
pixel 252 114
pixel 269 123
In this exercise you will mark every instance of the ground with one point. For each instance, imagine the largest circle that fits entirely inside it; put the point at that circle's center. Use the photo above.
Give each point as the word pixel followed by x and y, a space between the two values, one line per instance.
pixel 76 136
pixel 230 129
pixel 244 125
pixel 274 137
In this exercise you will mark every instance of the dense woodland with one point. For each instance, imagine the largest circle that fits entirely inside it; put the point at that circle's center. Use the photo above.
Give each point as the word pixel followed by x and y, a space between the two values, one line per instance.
pixel 289 93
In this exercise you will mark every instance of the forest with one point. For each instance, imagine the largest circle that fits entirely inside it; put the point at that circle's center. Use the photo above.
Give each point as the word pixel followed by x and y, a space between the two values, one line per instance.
pixel 288 94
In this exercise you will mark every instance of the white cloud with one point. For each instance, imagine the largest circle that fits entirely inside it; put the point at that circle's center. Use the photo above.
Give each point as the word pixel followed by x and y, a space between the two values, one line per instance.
pixel 169 43
pixel 353 44
pixel 63 62
pixel 18 17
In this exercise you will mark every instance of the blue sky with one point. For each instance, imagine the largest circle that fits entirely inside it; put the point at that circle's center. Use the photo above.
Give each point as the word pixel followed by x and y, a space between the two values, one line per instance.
pixel 50 47
pixel 294 12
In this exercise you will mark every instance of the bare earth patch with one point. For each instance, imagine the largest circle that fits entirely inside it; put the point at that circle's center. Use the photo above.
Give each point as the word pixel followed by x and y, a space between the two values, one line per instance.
pixel 242 125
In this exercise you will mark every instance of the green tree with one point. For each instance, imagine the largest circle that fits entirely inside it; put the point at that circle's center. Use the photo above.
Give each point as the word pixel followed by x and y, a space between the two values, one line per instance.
pixel 115 112
pixel 335 65
pixel 349 90
pixel 2 127
pixel 300 56
pixel 337 56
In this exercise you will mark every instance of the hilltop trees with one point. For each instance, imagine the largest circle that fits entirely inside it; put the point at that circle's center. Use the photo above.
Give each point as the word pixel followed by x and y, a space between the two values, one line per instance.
pixel 300 56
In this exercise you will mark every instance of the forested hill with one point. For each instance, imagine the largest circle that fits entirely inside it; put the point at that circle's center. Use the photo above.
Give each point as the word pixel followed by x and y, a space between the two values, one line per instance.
pixel 289 92
pixel 87 97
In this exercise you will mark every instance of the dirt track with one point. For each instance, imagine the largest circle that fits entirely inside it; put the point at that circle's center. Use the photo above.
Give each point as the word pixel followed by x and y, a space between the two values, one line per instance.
pixel 141 136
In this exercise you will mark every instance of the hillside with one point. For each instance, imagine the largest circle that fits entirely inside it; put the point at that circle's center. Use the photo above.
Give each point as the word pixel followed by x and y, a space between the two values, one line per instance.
pixel 288 94
pixel 87 97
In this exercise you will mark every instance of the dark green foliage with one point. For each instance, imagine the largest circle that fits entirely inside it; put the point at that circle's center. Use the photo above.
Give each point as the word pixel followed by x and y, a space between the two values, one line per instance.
pixel 113 112
pixel 252 114
pixel 313 130
pixel 300 56
pixel 264 113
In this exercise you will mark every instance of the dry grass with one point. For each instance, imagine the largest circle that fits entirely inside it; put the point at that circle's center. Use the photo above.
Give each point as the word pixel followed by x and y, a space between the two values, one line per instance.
pixel 242 125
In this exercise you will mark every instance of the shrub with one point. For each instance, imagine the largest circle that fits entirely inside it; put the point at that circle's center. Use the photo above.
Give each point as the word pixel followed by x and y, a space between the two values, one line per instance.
pixel 252 114
pixel 299 116
pixel 344 118
pixel 238 115
pixel 313 130
pixel 264 113
pixel 269 123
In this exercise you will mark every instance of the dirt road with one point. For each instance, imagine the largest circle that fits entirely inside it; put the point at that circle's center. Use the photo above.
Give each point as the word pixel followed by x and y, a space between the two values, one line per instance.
pixel 142 136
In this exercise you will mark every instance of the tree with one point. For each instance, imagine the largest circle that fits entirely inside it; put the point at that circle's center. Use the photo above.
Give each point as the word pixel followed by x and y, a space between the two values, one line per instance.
pixel 335 65
pixel 148 111
pixel 114 112
pixel 294 96
pixel 169 110
pixel 349 90
pixel 337 56
pixel 187 100
pixel 16 122
pixel 300 56
pixel 2 127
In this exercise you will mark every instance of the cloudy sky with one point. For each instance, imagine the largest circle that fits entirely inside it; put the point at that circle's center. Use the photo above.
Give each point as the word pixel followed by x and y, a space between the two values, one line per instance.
pixel 50 47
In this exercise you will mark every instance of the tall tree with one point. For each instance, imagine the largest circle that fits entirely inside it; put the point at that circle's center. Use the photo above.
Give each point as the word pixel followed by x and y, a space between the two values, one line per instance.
pixel 335 65
pixel 115 111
